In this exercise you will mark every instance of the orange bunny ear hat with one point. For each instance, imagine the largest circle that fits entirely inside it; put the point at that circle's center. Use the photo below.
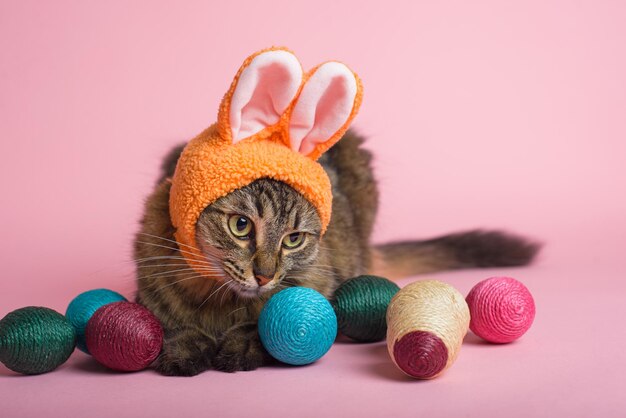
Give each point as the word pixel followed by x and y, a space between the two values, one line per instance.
pixel 274 122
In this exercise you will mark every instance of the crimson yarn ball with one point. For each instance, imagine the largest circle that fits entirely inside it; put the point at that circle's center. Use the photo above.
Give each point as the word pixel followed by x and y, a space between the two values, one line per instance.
pixel 124 336
pixel 501 308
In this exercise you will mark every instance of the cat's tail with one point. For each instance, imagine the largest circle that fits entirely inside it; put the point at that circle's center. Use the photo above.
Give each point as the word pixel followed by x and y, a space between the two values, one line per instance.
pixel 469 249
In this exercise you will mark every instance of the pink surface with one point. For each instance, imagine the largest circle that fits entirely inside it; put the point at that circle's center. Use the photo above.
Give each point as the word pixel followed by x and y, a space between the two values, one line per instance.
pixel 480 114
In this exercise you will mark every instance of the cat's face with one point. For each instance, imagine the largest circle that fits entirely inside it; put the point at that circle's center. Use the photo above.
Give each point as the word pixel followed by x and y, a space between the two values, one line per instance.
pixel 262 236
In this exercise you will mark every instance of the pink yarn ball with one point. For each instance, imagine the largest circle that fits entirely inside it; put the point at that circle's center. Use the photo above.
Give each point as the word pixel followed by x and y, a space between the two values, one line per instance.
pixel 501 309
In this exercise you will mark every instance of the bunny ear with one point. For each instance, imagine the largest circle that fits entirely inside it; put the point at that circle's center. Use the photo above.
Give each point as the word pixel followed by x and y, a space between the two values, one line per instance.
pixel 324 109
pixel 264 87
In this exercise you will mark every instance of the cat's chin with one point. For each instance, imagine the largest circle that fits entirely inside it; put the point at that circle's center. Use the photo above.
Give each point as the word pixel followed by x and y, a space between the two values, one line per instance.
pixel 246 292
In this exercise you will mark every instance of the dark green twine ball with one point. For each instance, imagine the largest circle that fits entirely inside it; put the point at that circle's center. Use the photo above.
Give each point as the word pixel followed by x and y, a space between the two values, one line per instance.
pixel 361 305
pixel 35 340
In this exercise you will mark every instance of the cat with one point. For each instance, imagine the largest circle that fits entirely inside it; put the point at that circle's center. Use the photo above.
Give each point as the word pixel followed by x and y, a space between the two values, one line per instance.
pixel 265 237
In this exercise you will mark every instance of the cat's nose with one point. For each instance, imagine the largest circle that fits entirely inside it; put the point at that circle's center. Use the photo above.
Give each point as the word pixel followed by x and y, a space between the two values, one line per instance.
pixel 262 280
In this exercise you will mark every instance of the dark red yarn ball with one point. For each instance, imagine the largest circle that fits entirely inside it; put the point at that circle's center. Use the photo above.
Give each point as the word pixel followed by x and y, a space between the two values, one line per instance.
pixel 124 336
pixel 421 354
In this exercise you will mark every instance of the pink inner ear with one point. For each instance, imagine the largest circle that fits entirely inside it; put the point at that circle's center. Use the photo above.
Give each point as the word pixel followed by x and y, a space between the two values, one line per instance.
pixel 264 90
pixel 324 106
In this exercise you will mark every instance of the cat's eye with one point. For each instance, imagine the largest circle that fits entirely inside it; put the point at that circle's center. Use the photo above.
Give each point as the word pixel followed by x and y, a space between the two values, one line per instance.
pixel 240 226
pixel 294 240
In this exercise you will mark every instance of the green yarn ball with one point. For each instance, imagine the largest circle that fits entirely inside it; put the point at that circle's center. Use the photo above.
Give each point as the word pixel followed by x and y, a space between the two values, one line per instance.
pixel 35 340
pixel 361 305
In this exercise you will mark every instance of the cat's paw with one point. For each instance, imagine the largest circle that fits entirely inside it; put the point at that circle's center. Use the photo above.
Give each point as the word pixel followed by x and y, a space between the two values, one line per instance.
pixel 172 365
pixel 240 349
pixel 186 352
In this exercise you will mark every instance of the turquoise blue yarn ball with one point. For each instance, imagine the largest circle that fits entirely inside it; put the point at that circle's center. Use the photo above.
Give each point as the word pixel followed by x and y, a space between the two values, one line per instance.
pixel 297 326
pixel 82 308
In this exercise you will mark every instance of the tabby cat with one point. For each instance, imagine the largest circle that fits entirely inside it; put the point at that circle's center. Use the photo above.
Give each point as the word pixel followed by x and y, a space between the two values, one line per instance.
pixel 265 237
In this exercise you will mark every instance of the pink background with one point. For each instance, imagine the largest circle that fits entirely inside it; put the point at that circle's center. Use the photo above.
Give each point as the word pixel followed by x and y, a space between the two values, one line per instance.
pixel 480 114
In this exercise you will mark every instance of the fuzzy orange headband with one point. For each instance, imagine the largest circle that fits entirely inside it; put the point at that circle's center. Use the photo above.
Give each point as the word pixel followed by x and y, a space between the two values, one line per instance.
pixel 274 122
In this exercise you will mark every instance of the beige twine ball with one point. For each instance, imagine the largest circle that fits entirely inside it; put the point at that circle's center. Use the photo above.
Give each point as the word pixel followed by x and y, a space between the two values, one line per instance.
pixel 426 322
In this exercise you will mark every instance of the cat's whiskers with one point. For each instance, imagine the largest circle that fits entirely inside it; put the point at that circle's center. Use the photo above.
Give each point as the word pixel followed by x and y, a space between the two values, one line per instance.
pixel 213 254
pixel 237 294
pixel 223 294
pixel 177 281
pixel 164 265
pixel 196 256
pixel 133 278
pixel 137 261
pixel 236 298
pixel 174 273
pixel 212 293
pixel 162 257
pixel 235 310
pixel 172 276
pixel 187 269
pixel 169 240
pixel 203 268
